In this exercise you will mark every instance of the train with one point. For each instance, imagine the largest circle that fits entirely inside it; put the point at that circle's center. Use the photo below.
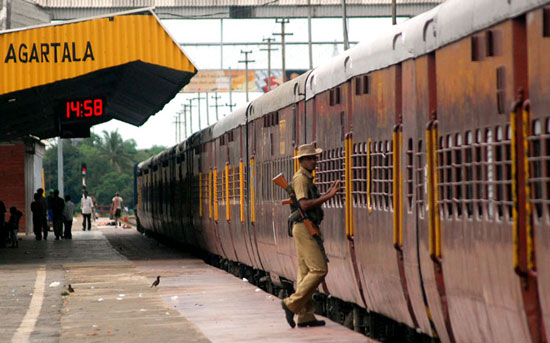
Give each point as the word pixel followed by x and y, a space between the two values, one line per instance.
pixel 439 131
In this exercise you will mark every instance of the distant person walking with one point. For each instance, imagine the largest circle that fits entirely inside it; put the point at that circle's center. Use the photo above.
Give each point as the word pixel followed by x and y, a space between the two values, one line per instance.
pixel 68 214
pixel 116 208
pixel 13 225
pixel 86 206
pixel 58 204
pixel 44 203
pixel 37 216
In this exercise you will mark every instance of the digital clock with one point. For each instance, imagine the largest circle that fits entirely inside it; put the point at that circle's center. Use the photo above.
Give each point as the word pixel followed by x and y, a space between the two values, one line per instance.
pixel 77 110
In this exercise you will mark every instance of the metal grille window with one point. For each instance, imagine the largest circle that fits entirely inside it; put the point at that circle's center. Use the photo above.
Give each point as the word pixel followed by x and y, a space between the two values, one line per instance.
pixel 220 187
pixel 475 177
pixel 503 173
pixel 234 184
pixel 359 174
pixel 539 169
pixel 480 168
pixel 445 176
pixel 204 188
pixel 329 169
pixel 409 167
pixel 382 175
pixel 421 170
pixel 469 174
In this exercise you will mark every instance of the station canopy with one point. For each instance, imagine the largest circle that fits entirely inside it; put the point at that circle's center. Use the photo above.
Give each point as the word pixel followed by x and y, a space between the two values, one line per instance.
pixel 61 79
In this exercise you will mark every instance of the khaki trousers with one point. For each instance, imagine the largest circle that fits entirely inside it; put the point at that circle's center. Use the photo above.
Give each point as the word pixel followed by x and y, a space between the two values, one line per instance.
pixel 312 268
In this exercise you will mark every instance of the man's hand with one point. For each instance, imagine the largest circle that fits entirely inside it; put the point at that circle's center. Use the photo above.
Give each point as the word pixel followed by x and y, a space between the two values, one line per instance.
pixel 333 189
pixel 311 203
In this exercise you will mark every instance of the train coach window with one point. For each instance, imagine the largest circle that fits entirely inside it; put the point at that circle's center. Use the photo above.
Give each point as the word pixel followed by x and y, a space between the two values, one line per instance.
pixel 468 168
pixel 358 88
pixel 458 180
pixel 382 175
pixel 420 179
pixel 366 84
pixel 547 168
pixel 335 96
pixel 389 176
pixel 492 42
pixel 356 174
pixel 476 51
pixel 535 168
pixel 409 167
pixel 546 22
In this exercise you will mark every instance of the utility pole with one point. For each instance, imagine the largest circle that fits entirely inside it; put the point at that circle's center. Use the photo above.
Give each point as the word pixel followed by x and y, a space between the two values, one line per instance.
pixel 185 108
pixel 231 105
pixel 393 12
pixel 199 98
pixel 60 184
pixel 345 24
pixel 246 61
pixel 207 111
pixel 190 115
pixel 269 49
pixel 230 88
pixel 216 97
pixel 309 39
pixel 177 122
pixel 283 21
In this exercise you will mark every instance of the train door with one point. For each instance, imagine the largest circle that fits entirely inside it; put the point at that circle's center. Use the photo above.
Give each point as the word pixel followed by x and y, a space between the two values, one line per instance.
pixel 265 228
pixel 233 196
pixel 283 154
pixel 537 125
pixel 221 225
pixel 204 228
pixel 240 198
pixel 252 187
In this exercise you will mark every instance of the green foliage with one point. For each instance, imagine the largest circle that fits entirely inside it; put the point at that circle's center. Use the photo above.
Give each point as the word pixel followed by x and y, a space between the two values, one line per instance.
pixel 109 160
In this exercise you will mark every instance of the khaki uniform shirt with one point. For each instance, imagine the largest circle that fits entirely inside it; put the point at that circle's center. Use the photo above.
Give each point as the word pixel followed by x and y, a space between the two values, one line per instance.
pixel 303 186
pixel 301 182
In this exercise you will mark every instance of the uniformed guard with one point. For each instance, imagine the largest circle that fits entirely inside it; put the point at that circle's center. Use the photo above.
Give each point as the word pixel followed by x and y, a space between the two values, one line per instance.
pixel 312 261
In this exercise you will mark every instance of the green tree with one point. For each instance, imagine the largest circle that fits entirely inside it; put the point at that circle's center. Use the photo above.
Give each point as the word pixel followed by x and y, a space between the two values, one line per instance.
pixel 109 160
pixel 117 152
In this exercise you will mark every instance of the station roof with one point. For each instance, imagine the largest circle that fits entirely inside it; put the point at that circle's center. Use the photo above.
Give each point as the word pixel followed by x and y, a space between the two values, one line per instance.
pixel 127 60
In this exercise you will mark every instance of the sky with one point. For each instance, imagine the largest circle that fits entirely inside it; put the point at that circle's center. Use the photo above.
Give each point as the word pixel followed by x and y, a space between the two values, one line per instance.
pixel 160 129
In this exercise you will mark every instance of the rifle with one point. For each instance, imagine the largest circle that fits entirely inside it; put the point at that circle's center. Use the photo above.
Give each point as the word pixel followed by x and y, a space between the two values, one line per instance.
pixel 314 231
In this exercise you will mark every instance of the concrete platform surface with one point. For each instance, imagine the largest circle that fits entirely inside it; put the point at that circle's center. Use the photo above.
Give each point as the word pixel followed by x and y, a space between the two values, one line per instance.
pixel 111 271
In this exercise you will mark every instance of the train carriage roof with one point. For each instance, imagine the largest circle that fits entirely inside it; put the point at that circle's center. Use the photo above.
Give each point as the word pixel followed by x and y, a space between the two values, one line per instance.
pixel 286 94
pixel 145 164
pixel 444 24
pixel 231 121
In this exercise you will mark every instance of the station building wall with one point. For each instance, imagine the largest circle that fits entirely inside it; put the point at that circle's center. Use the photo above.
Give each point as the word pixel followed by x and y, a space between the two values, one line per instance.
pixel 20 176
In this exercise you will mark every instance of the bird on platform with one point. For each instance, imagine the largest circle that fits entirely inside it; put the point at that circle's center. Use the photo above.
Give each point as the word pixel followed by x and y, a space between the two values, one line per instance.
pixel 70 289
pixel 156 282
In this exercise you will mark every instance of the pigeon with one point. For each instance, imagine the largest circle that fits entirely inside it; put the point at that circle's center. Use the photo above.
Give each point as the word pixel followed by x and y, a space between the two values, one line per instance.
pixel 156 283
pixel 70 289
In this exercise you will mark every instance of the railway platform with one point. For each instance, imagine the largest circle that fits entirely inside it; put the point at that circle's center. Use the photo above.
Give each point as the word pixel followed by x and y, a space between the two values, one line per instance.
pixel 111 271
